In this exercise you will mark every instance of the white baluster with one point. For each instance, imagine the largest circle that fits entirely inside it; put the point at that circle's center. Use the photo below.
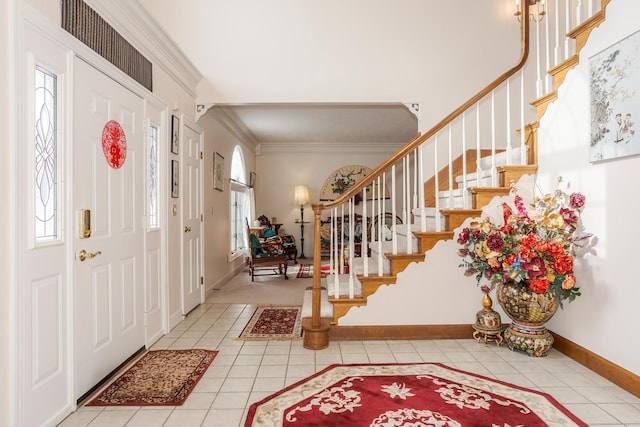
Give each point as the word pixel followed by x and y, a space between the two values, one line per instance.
pixel 493 139
pixel 365 243
pixel 437 184
pixel 465 194
pixel 509 146
pixel 450 171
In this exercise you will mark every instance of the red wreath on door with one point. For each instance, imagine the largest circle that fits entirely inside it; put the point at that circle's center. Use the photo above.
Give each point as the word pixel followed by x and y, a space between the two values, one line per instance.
pixel 114 144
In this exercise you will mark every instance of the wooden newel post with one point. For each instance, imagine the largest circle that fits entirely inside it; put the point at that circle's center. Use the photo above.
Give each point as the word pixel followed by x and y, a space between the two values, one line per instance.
pixel 316 329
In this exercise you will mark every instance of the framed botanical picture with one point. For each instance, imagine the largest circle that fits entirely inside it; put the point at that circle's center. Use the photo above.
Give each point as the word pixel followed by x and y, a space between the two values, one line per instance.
pixel 218 171
pixel 175 134
pixel 175 179
pixel 615 105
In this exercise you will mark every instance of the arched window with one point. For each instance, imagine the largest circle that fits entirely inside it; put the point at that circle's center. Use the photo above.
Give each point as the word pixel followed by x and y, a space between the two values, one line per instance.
pixel 241 204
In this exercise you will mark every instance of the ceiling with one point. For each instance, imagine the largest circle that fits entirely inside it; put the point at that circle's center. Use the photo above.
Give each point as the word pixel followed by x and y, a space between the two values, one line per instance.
pixel 324 123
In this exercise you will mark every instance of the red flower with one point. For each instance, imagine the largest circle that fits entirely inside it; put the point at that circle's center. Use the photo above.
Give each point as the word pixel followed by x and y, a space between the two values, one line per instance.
pixel 569 216
pixel 563 264
pixel 576 200
pixel 535 268
pixel 495 242
pixel 539 286
pixel 463 237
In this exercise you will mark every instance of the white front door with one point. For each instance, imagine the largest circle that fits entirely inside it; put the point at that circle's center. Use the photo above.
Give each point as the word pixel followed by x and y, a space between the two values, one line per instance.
pixel 191 192
pixel 109 283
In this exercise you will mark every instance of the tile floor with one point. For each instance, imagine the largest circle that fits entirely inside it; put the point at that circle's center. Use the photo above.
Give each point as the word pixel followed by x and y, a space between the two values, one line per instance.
pixel 246 371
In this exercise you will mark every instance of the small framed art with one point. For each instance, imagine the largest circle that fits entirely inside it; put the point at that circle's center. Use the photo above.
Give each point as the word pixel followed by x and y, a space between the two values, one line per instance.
pixel 175 179
pixel 218 172
pixel 175 134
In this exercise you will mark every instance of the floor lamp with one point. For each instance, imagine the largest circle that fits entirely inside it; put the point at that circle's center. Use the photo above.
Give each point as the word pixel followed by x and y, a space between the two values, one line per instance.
pixel 301 197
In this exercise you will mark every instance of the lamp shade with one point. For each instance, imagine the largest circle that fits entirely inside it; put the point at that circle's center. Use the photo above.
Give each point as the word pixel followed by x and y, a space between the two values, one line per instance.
pixel 301 195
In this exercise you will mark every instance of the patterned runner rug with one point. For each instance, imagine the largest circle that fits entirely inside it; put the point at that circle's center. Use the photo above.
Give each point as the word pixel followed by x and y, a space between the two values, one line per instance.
pixel 306 271
pixel 160 377
pixel 421 394
pixel 273 323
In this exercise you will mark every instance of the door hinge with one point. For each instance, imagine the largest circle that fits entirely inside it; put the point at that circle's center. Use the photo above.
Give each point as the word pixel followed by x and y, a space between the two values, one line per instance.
pixel 201 217
pixel 201 280
pixel 201 155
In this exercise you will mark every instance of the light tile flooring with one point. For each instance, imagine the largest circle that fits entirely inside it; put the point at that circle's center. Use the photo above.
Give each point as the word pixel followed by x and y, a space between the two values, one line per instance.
pixel 247 371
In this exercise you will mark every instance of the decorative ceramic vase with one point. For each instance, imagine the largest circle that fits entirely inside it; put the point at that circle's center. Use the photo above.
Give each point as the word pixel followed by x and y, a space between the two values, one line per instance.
pixel 529 312
pixel 488 326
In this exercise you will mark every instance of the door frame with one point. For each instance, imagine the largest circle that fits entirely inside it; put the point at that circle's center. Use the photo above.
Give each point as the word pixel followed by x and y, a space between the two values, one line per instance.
pixel 25 16
pixel 185 122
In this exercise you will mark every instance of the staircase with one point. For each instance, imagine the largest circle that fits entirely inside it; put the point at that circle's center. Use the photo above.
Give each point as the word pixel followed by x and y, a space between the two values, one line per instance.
pixel 431 209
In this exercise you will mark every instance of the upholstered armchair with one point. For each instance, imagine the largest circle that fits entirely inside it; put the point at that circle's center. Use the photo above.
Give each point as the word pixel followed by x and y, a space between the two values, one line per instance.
pixel 266 254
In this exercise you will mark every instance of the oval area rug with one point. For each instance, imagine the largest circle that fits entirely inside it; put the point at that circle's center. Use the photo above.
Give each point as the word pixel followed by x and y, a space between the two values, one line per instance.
pixel 420 394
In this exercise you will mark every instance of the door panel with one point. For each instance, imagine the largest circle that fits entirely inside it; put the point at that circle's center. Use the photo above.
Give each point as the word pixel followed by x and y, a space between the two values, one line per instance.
pixel 109 287
pixel 192 289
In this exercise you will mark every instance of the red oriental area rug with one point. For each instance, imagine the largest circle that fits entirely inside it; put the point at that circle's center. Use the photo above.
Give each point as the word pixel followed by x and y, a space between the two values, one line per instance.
pixel 420 394
pixel 273 323
pixel 160 377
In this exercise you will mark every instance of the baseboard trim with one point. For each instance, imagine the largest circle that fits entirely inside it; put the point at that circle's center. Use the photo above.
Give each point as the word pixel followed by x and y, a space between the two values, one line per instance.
pixel 400 332
pixel 609 370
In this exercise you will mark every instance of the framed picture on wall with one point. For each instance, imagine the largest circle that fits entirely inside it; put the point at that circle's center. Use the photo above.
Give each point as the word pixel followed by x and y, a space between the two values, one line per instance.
pixel 175 134
pixel 175 179
pixel 614 81
pixel 218 172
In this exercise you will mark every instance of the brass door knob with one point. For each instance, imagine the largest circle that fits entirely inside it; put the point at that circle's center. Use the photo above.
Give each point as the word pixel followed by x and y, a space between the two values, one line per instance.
pixel 85 255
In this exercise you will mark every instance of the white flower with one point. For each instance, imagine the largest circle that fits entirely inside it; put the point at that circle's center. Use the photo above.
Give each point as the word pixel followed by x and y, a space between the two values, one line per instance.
pixel 398 390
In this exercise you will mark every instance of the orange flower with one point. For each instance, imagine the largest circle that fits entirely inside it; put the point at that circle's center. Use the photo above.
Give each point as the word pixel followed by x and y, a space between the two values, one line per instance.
pixel 563 264
pixel 568 282
pixel 539 286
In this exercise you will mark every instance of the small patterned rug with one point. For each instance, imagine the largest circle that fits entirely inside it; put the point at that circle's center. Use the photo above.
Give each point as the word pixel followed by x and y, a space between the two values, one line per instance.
pixel 160 377
pixel 273 323
pixel 306 271
pixel 420 394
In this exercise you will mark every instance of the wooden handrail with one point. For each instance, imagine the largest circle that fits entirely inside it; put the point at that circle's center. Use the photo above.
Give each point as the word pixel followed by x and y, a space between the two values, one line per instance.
pixel 400 154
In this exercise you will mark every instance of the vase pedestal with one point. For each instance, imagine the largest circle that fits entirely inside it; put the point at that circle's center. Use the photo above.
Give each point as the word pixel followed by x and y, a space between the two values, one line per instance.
pixel 535 340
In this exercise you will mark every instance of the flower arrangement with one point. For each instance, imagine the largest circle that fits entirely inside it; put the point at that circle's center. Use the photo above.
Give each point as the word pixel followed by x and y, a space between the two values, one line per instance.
pixel 534 248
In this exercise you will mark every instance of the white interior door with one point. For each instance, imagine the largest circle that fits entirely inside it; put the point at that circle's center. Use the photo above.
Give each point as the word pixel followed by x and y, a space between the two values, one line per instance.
pixel 191 193
pixel 108 287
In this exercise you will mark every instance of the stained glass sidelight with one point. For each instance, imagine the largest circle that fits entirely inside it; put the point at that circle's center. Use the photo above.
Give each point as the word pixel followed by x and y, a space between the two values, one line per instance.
pixel 46 156
pixel 154 193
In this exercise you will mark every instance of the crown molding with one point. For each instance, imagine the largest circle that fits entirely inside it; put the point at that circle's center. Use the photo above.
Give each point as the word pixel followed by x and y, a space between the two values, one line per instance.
pixel 140 29
pixel 329 147
pixel 232 124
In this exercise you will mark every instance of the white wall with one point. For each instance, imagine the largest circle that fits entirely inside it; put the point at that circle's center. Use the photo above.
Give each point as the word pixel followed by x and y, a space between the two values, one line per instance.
pixel 603 318
pixel 6 174
pixel 336 51
pixel 218 268
pixel 278 172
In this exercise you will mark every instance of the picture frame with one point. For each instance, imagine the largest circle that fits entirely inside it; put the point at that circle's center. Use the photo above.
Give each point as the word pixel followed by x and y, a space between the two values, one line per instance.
pixel 175 134
pixel 614 83
pixel 218 171
pixel 175 179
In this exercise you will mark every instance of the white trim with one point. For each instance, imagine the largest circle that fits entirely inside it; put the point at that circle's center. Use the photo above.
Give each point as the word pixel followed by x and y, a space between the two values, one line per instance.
pixel 139 28
pixel 329 147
